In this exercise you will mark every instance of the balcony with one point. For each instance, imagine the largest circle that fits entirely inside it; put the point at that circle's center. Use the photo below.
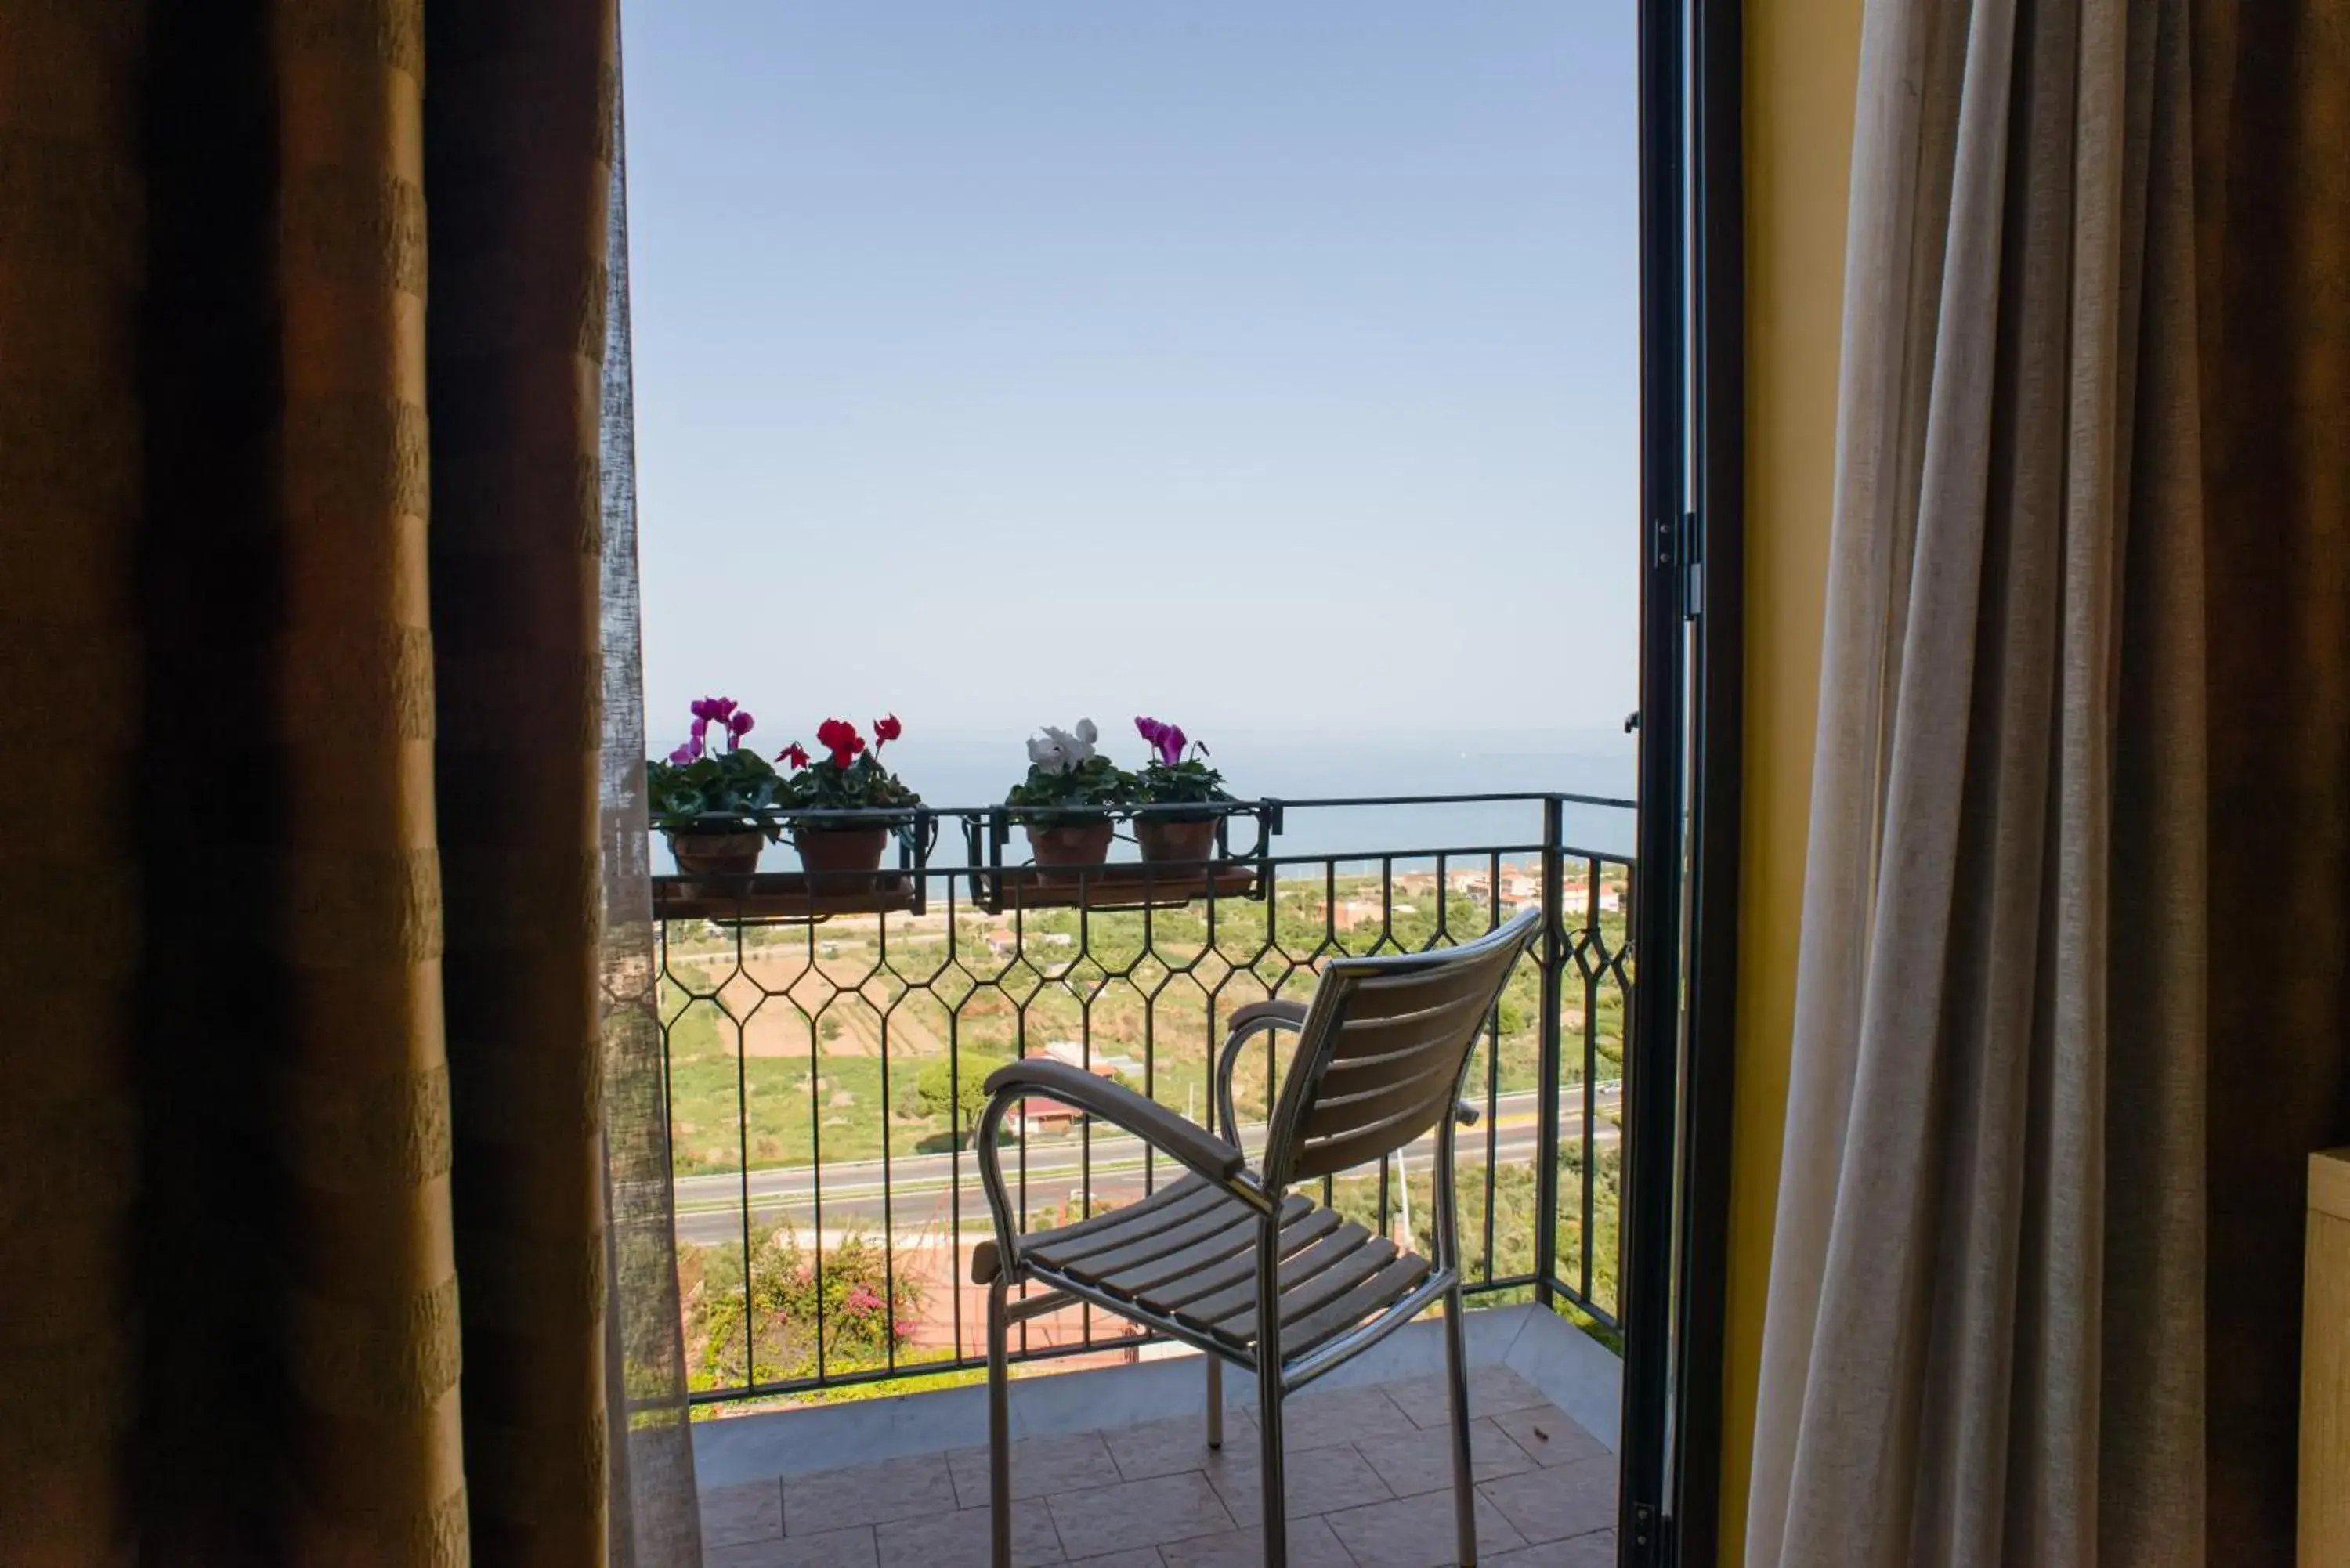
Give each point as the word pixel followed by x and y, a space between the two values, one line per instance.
pixel 824 1053
pixel 1111 1467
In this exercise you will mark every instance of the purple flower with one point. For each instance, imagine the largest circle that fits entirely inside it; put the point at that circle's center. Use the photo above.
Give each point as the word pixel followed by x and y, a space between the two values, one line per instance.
pixel 712 709
pixel 1167 739
pixel 684 753
pixel 738 724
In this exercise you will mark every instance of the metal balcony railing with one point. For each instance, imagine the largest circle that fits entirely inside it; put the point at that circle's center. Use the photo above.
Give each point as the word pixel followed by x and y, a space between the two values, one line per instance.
pixel 824 1047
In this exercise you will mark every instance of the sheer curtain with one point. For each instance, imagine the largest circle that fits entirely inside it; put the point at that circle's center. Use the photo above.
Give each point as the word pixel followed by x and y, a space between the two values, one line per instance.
pixel 2071 1007
pixel 655 1518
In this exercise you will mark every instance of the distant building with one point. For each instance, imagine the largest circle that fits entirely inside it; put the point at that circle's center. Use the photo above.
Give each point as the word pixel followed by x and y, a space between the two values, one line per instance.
pixel 1074 1053
pixel 1041 1113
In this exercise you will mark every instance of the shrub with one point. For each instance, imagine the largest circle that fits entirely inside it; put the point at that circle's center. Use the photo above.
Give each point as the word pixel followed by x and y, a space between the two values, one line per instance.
pixel 768 1334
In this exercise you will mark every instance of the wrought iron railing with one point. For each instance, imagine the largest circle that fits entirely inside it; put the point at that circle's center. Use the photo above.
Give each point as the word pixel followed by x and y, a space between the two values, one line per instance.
pixel 824 1050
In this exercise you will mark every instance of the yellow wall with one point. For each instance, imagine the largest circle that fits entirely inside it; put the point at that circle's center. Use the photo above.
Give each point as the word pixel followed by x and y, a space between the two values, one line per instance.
pixel 1802 62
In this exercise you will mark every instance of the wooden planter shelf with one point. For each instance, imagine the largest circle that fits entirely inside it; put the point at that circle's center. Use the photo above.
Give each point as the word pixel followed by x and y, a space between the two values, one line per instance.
pixel 1123 887
pixel 781 896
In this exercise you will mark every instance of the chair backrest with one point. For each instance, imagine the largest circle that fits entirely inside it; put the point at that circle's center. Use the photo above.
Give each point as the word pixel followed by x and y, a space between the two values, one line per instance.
pixel 1380 1056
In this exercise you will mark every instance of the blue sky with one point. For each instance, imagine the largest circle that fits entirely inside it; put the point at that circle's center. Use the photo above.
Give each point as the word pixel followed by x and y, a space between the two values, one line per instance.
pixel 1257 363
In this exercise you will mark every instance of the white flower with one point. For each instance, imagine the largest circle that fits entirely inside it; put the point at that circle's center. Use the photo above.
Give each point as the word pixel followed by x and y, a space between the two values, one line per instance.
pixel 1060 750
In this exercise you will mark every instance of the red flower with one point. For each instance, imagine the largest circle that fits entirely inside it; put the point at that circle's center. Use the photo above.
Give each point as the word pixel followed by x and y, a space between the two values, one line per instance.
pixel 796 754
pixel 839 737
pixel 885 730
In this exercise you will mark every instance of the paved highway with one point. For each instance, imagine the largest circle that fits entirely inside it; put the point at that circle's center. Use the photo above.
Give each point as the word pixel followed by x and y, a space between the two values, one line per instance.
pixel 916 1195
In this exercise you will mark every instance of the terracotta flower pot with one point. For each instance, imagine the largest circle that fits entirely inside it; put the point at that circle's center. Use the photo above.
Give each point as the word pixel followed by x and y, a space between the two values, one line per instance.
pixel 842 858
pixel 1071 843
pixel 717 854
pixel 1165 839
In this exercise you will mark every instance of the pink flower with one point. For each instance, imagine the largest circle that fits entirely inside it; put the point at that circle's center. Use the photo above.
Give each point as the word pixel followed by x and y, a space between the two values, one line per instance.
pixel 862 1299
pixel 738 724
pixel 1167 739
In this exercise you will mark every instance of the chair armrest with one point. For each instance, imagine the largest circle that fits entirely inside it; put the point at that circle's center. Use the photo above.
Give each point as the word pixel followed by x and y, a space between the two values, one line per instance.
pixel 1148 1120
pixel 1465 1112
pixel 1249 1021
pixel 1274 1014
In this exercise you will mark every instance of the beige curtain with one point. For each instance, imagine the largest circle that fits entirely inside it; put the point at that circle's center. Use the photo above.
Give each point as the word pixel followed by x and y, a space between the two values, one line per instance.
pixel 307 1069
pixel 2027 1156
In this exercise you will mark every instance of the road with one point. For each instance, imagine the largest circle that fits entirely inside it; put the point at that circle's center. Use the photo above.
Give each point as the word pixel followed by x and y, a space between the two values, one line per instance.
pixel 710 1208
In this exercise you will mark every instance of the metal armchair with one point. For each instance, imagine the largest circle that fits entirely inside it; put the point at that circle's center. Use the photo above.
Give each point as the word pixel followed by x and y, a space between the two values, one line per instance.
pixel 1228 1259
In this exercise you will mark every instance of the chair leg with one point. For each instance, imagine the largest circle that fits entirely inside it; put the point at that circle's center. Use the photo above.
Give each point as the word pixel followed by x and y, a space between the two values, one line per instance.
pixel 1456 1376
pixel 1215 1399
pixel 999 1426
pixel 1274 1494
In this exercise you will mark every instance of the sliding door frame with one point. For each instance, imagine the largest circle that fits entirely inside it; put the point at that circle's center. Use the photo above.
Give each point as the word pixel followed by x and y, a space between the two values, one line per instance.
pixel 1680 1049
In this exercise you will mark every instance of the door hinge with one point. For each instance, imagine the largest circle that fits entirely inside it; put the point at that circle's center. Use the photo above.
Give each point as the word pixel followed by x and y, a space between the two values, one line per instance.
pixel 1647 1546
pixel 1692 559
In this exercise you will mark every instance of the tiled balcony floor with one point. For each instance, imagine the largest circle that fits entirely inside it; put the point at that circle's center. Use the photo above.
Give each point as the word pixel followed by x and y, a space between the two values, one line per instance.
pixel 1369 1478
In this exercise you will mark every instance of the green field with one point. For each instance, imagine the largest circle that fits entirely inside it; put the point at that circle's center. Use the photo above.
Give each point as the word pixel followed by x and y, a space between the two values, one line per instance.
pixel 790 1043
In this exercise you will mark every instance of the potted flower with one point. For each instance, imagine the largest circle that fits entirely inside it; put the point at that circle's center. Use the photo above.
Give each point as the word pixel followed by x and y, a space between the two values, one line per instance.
pixel 847 777
pixel 1065 801
pixel 715 803
pixel 1172 779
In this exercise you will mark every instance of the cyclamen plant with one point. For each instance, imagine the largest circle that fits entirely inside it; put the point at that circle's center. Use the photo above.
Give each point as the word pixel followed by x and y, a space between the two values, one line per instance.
pixel 701 788
pixel 1068 779
pixel 849 776
pixel 1171 778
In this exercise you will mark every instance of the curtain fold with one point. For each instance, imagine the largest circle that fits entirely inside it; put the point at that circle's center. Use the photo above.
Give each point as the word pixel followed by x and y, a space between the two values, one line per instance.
pixel 304 1118
pixel 2071 1002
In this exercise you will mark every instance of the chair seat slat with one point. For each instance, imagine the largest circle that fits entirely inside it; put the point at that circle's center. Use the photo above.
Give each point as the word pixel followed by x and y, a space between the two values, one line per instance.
pixel 1178 1287
pixel 1184 1202
pixel 1381 1291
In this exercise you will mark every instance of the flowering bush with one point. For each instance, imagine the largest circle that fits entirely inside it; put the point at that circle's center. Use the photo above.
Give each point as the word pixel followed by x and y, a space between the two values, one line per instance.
pixel 849 776
pixel 1068 779
pixel 786 1294
pixel 702 787
pixel 1170 778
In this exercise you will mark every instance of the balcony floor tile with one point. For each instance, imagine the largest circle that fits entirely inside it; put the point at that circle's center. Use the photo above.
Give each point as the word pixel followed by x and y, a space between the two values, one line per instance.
pixel 1554 1504
pixel 1418 1461
pixel 877 1493
pixel 1039 1465
pixel 1368 1483
pixel 962 1539
pixel 1418 1532
pixel 1596 1549
pixel 738 1513
pixel 1318 1481
pixel 832 1549
pixel 1152 1513
pixel 1311 1545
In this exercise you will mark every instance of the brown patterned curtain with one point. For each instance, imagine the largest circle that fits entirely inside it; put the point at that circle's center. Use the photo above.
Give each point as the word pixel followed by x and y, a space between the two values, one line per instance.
pixel 327 1151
